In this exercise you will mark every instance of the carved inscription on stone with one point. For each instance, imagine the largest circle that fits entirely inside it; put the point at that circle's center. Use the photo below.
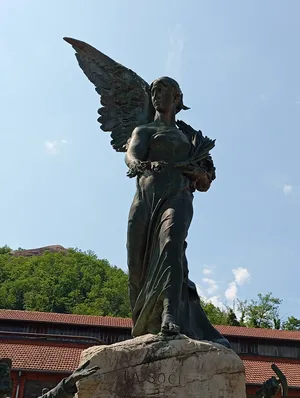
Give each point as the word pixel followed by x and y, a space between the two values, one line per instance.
pixel 159 378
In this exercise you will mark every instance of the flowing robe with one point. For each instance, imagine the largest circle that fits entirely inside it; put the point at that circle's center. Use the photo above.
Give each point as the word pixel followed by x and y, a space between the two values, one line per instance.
pixel 159 220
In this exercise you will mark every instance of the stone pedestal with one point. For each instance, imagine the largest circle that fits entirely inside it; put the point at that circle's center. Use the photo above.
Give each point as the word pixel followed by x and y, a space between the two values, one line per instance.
pixel 159 366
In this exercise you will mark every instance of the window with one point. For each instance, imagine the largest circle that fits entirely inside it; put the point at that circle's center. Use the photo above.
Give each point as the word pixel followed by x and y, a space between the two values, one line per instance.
pixel 253 348
pixel 243 347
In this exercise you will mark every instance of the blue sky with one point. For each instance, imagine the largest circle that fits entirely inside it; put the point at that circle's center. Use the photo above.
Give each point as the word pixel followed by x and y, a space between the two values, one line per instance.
pixel 238 66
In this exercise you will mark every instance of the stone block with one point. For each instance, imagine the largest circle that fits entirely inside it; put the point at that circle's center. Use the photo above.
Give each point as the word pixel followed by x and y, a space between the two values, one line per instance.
pixel 159 366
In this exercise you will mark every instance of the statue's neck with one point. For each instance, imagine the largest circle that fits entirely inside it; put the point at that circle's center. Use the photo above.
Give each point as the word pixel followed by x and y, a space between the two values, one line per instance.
pixel 167 118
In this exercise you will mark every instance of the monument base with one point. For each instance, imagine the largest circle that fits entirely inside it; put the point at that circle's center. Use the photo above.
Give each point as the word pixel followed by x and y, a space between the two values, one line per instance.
pixel 160 366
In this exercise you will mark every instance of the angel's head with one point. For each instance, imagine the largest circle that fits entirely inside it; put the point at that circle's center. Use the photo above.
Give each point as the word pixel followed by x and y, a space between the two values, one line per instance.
pixel 166 95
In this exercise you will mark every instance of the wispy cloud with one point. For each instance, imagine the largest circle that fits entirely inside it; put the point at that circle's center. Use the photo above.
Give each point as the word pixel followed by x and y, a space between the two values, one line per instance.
pixel 241 276
pixel 231 292
pixel 207 271
pixel 212 285
pixel 174 57
pixel 216 300
pixel 200 291
pixel 53 147
pixel 210 289
pixel 287 189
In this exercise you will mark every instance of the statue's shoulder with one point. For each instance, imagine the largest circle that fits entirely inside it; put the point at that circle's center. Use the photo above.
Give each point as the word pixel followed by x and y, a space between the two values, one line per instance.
pixel 148 129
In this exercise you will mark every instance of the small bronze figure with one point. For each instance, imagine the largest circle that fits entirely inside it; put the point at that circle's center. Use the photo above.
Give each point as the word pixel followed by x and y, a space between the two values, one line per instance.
pixel 272 386
pixel 170 161
pixel 67 387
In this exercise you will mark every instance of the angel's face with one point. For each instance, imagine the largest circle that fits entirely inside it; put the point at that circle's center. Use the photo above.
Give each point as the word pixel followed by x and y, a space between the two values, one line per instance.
pixel 163 98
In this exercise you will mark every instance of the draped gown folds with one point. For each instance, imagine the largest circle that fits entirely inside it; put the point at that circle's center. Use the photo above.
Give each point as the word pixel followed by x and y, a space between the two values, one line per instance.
pixel 159 219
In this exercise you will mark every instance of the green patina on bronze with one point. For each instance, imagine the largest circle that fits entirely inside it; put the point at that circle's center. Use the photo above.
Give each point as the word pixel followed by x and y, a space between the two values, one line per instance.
pixel 170 161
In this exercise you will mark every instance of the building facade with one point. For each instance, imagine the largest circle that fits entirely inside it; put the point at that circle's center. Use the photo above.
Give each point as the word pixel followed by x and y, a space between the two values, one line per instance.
pixel 45 347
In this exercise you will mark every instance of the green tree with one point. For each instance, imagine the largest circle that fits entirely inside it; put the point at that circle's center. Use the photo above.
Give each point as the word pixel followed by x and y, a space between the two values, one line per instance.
pixel 231 318
pixel 5 249
pixel 216 315
pixel 292 323
pixel 261 313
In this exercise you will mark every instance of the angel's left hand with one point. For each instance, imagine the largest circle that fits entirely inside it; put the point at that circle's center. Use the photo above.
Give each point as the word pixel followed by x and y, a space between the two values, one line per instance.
pixel 202 181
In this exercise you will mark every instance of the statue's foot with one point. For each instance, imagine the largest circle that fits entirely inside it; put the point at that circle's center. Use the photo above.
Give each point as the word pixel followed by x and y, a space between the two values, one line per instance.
pixel 168 325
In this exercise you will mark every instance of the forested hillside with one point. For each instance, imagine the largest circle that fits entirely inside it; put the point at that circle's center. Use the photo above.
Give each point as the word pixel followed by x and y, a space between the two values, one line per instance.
pixel 72 281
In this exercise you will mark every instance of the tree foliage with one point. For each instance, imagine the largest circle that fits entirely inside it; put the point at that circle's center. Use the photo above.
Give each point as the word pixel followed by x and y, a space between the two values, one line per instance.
pixel 216 315
pixel 232 318
pixel 78 282
pixel 262 312
pixel 291 323
pixel 75 282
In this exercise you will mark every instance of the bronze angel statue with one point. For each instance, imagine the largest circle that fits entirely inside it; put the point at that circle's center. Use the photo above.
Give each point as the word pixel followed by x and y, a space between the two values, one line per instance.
pixel 170 161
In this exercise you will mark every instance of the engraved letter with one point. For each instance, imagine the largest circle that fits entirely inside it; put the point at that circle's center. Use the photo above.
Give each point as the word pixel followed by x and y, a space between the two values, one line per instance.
pixel 161 378
pixel 151 378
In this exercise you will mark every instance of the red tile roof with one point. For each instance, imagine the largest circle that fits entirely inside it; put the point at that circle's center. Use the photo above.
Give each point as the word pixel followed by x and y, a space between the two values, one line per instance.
pixel 57 358
pixel 237 331
pixel 42 357
pixel 259 371
pixel 107 321
pixel 52 317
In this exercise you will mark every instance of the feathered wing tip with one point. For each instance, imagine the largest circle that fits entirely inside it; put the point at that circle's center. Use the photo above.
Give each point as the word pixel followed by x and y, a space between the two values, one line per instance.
pixel 185 108
pixel 124 95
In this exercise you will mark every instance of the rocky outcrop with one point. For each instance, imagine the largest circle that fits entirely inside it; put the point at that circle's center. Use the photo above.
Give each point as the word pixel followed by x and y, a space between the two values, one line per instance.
pixel 159 366
pixel 39 251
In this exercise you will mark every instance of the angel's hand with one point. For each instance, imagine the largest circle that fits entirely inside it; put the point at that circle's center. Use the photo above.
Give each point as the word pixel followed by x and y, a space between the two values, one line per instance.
pixel 138 167
pixel 158 166
pixel 203 181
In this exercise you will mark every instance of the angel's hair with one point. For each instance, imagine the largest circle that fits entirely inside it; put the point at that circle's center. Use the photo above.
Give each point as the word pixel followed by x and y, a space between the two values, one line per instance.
pixel 176 89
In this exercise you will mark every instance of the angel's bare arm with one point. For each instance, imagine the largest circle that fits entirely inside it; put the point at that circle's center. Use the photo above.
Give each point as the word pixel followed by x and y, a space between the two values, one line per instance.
pixel 138 147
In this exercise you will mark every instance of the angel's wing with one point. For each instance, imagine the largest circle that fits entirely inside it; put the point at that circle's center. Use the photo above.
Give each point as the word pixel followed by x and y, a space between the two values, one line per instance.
pixel 124 95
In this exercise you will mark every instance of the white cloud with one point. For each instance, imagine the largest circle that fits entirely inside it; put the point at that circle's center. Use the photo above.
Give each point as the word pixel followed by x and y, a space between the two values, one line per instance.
pixel 287 189
pixel 200 291
pixel 207 271
pixel 215 300
pixel 241 275
pixel 53 147
pixel 205 295
pixel 231 292
pixel 210 288
pixel 212 285
pixel 174 57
